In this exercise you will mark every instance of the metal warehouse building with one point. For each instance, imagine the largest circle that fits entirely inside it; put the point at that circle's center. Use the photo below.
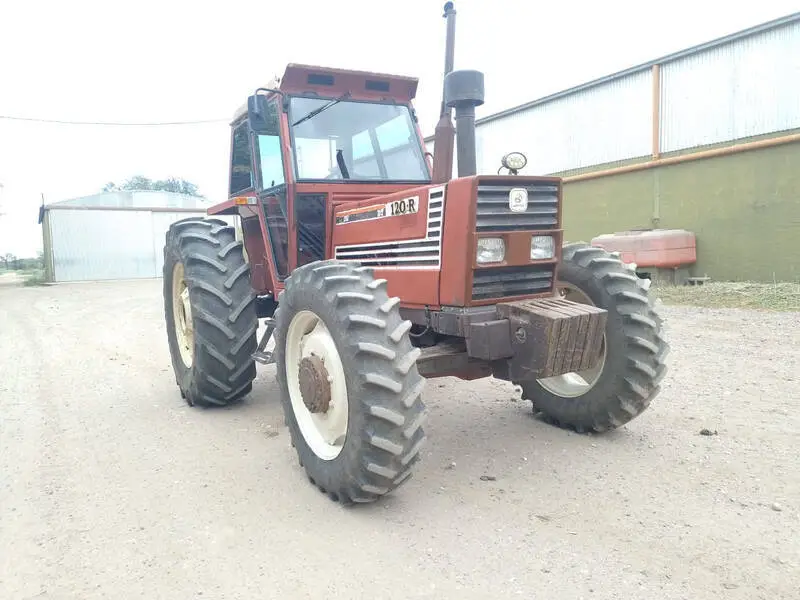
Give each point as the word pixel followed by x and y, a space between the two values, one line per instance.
pixel 115 235
pixel 707 139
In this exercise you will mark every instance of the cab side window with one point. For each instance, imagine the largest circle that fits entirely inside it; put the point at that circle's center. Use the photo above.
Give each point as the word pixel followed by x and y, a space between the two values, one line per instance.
pixel 241 170
pixel 268 143
pixel 270 160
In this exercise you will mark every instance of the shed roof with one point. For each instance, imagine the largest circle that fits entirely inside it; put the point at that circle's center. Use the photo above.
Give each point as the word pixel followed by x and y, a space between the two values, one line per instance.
pixel 143 199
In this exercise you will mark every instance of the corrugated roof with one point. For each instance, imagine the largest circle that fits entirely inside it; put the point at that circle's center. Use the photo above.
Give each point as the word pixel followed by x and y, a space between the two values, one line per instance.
pixel 134 199
pixel 767 26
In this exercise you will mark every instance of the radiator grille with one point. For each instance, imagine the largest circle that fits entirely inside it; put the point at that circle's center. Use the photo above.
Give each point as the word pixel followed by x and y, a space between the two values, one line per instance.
pixel 493 213
pixel 505 282
pixel 420 253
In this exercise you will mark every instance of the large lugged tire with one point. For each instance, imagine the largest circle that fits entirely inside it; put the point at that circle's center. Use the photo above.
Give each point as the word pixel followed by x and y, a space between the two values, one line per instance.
pixel 627 378
pixel 210 312
pixel 350 388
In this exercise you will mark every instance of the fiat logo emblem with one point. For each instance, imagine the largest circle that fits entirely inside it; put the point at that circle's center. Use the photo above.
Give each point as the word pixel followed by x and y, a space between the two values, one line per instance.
pixel 518 200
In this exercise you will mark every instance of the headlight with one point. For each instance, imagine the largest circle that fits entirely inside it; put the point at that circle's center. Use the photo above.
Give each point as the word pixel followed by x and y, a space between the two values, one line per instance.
pixel 491 250
pixel 542 247
pixel 514 161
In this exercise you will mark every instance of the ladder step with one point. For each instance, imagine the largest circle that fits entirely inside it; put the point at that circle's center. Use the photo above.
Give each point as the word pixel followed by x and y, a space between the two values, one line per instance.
pixel 265 358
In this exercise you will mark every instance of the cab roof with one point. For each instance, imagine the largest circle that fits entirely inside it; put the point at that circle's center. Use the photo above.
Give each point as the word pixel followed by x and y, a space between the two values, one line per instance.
pixel 328 82
pixel 298 79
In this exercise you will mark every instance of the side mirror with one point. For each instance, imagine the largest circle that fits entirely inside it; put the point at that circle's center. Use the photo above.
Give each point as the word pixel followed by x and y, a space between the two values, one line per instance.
pixel 262 115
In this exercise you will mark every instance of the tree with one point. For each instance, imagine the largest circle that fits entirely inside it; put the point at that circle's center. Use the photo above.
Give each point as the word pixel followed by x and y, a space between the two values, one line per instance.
pixel 8 259
pixel 181 186
pixel 139 182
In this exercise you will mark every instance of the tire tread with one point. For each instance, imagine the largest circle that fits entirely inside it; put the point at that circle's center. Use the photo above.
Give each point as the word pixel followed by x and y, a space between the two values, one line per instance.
pixel 223 309
pixel 385 386
pixel 644 348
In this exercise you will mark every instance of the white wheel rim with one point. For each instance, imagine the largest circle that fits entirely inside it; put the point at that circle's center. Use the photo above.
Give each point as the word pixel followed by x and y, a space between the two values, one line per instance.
pixel 182 316
pixel 324 432
pixel 572 385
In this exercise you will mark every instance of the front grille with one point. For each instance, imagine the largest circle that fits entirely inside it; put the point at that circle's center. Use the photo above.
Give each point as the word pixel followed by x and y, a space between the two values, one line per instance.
pixel 505 282
pixel 493 213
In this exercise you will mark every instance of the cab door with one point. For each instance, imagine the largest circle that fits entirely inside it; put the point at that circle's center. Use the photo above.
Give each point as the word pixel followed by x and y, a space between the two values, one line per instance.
pixel 274 194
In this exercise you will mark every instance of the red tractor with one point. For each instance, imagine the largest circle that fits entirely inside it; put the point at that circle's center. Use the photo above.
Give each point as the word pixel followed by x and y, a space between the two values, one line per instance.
pixel 376 270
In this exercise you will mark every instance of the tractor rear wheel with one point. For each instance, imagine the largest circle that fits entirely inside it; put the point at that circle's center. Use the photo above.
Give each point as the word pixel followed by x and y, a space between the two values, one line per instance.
pixel 626 379
pixel 210 312
pixel 350 388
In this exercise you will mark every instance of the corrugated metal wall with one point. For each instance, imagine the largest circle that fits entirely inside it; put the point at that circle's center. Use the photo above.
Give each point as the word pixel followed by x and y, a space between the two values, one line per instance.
pixel 109 244
pixel 743 88
pixel 598 125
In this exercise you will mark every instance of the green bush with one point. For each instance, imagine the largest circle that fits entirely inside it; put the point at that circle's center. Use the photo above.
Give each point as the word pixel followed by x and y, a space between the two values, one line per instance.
pixel 33 277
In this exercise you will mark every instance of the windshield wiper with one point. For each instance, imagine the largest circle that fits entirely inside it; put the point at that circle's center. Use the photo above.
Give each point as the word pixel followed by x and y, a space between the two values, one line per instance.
pixel 316 111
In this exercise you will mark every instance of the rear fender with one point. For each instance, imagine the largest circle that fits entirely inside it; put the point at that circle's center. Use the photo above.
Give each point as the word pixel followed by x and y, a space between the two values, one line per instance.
pixel 252 230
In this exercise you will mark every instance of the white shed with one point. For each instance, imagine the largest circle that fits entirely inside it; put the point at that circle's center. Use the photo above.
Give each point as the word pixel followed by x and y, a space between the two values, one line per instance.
pixel 114 235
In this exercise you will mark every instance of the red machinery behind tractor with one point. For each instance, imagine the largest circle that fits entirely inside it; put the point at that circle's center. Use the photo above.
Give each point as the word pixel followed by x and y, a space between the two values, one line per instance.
pixel 376 270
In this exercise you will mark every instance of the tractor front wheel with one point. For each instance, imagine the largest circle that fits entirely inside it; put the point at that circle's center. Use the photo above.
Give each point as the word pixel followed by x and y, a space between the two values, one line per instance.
pixel 626 379
pixel 349 382
pixel 210 312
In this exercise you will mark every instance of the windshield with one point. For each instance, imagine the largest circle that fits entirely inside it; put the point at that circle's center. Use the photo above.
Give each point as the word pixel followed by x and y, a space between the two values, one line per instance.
pixel 360 141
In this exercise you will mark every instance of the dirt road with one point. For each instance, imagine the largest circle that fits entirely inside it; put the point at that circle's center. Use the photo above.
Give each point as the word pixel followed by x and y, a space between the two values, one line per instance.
pixel 111 487
pixel 10 279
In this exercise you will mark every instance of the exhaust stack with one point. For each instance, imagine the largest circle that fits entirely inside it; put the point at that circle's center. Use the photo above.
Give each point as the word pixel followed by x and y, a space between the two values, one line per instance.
pixel 464 90
pixel 444 133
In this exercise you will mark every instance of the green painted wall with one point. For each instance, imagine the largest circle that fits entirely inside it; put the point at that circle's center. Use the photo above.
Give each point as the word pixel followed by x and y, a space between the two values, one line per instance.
pixel 744 209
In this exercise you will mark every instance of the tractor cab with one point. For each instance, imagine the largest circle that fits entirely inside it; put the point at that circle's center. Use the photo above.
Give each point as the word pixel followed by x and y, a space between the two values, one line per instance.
pixel 318 138
pixel 340 126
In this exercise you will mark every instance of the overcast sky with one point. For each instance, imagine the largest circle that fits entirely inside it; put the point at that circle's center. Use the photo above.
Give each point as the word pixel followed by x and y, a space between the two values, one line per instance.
pixel 170 60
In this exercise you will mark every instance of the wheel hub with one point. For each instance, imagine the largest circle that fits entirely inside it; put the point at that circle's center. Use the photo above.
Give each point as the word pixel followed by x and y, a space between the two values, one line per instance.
pixel 182 315
pixel 317 384
pixel 315 387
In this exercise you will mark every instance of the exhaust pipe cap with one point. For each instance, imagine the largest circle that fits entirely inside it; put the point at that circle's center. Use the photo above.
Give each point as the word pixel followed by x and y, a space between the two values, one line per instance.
pixel 463 88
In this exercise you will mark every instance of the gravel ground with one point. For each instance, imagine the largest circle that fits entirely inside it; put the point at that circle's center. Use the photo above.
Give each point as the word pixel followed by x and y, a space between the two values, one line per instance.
pixel 113 488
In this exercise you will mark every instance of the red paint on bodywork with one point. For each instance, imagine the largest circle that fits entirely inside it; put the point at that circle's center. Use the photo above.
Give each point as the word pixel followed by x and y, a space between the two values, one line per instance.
pixel 459 223
pixel 228 207
pixel 417 288
pixel 387 229
pixel 295 80
pixel 340 194
pixel 256 254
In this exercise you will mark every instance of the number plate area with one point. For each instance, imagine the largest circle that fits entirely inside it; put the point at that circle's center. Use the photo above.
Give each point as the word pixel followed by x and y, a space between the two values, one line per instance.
pixel 406 206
